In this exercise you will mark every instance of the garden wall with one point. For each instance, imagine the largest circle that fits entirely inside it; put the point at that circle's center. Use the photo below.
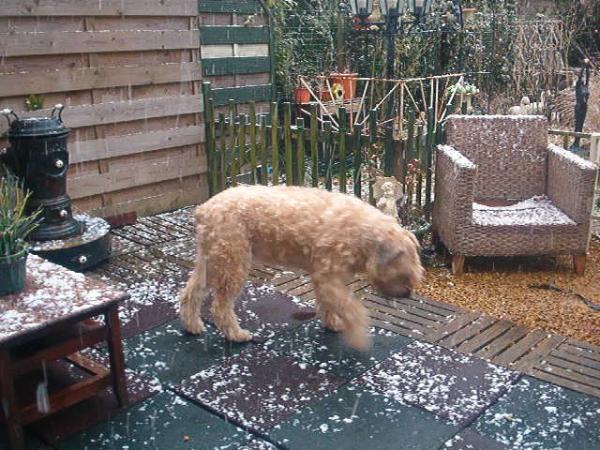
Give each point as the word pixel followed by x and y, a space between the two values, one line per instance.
pixel 130 76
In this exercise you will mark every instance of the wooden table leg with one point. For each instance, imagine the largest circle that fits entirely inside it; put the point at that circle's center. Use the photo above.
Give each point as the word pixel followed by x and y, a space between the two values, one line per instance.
pixel 117 360
pixel 10 407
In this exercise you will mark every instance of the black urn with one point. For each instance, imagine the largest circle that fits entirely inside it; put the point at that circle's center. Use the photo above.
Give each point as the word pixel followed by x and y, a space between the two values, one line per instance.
pixel 38 155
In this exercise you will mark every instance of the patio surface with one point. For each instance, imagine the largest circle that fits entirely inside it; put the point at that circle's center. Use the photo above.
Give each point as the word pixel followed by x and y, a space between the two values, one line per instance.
pixel 437 377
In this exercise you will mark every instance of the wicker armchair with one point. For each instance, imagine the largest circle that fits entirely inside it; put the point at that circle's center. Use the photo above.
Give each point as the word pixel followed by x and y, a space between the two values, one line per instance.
pixel 501 190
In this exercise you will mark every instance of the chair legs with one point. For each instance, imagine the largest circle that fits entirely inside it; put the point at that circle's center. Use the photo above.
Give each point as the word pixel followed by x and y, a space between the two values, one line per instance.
pixel 458 264
pixel 579 264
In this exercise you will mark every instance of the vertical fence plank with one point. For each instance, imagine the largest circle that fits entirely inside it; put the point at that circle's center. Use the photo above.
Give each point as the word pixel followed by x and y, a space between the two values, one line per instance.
pixel 223 148
pixel 253 160
pixel 328 154
pixel 342 147
pixel 264 164
pixel 300 151
pixel 372 151
pixel 408 147
pixel 234 125
pixel 275 142
pixel 243 120
pixel 314 145
pixel 210 139
pixel 431 136
pixel 357 160
pixel 287 142
pixel 212 160
pixel 419 155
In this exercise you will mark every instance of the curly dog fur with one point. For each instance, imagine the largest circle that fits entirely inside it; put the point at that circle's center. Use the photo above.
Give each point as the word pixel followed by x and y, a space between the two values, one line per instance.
pixel 329 235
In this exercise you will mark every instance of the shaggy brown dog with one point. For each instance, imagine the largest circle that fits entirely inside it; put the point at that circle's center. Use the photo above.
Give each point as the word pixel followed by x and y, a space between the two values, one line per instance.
pixel 331 236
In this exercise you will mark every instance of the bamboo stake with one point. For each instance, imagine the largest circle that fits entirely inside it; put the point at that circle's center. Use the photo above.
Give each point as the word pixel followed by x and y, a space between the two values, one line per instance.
pixel 275 143
pixel 300 153
pixel 253 160
pixel 362 100
pixel 314 146
pixel 287 142
pixel 320 103
pixel 342 148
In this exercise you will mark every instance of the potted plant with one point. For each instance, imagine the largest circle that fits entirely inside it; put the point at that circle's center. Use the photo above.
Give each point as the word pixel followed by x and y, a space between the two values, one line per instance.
pixel 15 226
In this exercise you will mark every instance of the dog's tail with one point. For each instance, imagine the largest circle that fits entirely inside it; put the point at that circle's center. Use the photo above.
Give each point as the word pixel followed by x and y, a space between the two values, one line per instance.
pixel 196 289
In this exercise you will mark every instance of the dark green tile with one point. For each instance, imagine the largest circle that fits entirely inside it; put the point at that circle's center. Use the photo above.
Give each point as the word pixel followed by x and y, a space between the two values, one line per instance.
pixel 31 442
pixel 314 345
pixel 540 416
pixel 171 355
pixel 352 418
pixel 468 439
pixel 165 421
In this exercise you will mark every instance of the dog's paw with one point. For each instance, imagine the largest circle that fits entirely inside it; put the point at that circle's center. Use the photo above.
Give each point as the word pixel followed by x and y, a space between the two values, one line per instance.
pixel 193 326
pixel 358 340
pixel 333 322
pixel 240 335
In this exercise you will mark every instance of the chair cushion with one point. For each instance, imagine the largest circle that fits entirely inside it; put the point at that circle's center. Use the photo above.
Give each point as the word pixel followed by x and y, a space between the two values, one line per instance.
pixel 535 211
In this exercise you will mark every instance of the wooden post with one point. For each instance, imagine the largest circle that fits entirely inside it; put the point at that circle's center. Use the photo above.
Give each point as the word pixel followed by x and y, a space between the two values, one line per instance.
pixel 235 161
pixel 275 143
pixel 287 141
pixel 372 150
pixel 209 136
pixel 264 164
pixel 253 160
pixel 328 155
pixel 314 145
pixel 357 160
pixel 300 153
pixel 342 147
pixel 419 155
pixel 408 152
pixel 243 120
pixel 431 138
pixel 223 148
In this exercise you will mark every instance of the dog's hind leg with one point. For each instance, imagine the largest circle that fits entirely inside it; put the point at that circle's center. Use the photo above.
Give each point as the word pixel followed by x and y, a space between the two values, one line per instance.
pixel 192 297
pixel 341 310
pixel 227 277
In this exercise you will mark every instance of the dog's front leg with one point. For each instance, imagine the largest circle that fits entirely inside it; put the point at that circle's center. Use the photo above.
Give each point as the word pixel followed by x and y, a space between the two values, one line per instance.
pixel 341 311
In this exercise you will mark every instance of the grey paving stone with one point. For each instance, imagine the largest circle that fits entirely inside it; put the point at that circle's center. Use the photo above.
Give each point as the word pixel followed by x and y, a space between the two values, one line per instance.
pixel 258 388
pixel 314 345
pixel 453 386
pixel 468 439
pixel 353 418
pixel 166 421
pixel 171 355
pixel 536 415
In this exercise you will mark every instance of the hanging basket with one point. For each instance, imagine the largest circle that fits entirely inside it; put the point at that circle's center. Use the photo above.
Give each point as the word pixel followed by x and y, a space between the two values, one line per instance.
pixel 12 273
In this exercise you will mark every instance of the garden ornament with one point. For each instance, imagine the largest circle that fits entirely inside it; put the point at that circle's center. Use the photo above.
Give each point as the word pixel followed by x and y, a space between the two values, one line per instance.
pixel 387 192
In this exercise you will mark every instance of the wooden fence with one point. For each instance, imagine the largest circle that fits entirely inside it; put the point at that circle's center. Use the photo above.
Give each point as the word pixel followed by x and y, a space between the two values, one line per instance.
pixel 273 148
pixel 129 73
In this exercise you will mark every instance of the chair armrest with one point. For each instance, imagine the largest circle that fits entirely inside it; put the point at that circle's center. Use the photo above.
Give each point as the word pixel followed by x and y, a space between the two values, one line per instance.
pixel 454 187
pixel 571 183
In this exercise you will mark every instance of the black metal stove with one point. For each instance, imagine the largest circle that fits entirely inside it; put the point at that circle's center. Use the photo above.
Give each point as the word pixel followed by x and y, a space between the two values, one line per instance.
pixel 38 155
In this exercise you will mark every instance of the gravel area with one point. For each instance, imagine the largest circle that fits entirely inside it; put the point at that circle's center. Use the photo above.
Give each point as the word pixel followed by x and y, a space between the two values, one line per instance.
pixel 523 290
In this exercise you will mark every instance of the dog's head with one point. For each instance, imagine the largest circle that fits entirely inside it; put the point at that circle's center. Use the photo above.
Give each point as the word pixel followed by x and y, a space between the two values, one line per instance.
pixel 395 265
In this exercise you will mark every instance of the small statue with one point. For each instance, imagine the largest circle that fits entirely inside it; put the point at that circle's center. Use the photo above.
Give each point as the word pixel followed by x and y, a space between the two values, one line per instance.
pixel 522 109
pixel 387 192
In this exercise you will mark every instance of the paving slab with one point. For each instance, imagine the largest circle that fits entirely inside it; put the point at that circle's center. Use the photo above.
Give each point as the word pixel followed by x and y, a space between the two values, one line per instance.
pixel 536 415
pixel 354 418
pixel 314 345
pixel 266 312
pixel 165 421
pixel 258 389
pixel 172 355
pixel 451 385
pixel 468 439
pixel 94 410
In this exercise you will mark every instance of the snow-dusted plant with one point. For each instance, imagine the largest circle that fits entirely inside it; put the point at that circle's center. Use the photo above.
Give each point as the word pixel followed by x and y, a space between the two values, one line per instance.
pixel 15 224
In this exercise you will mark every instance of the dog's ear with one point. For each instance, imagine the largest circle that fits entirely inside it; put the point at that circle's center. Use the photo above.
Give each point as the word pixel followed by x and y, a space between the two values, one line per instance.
pixel 389 252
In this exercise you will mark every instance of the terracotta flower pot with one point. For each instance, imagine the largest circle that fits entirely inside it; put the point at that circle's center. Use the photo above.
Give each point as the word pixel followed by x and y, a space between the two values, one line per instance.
pixel 348 82
pixel 301 95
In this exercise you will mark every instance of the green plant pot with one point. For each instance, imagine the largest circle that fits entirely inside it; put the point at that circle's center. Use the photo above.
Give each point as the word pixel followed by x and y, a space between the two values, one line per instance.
pixel 12 273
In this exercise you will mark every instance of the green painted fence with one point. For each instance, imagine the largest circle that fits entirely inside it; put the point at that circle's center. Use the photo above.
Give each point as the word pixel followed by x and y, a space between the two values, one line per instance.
pixel 276 148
